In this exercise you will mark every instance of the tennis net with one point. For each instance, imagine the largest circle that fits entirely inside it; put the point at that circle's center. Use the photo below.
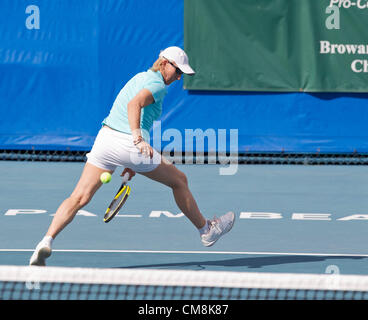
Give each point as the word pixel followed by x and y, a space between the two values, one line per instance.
pixel 56 283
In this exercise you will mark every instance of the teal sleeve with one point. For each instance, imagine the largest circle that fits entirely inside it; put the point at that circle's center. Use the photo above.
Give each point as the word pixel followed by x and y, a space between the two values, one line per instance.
pixel 157 89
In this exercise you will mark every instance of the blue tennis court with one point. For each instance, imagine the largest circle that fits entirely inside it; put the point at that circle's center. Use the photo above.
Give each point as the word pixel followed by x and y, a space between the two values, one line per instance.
pixel 289 219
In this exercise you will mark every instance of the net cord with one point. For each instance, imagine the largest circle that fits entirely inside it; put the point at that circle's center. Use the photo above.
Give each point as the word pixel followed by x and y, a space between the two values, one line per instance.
pixel 185 278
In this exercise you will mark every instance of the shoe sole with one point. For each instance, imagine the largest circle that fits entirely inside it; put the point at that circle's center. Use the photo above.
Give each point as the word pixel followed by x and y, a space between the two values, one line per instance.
pixel 210 244
pixel 42 255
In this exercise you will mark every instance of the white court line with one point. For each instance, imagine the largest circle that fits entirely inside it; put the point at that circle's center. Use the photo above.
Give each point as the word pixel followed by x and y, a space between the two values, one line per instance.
pixel 195 252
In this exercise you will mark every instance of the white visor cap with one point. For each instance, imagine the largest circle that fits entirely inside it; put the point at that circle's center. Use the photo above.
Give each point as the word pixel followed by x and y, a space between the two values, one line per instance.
pixel 178 55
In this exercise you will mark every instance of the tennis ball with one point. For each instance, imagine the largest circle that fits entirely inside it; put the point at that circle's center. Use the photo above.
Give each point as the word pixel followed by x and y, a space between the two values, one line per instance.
pixel 105 177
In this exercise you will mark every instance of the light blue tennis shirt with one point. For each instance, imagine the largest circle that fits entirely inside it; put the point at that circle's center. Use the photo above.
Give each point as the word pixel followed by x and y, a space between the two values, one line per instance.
pixel 118 117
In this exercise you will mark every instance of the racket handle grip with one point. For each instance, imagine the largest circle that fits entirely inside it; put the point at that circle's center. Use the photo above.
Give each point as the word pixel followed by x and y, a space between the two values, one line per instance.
pixel 126 177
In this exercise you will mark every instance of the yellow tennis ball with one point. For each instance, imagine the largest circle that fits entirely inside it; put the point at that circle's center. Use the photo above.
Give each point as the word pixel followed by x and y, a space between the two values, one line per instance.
pixel 105 177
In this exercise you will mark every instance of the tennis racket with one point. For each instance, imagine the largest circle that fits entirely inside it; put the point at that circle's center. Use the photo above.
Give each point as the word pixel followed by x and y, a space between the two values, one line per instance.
pixel 119 199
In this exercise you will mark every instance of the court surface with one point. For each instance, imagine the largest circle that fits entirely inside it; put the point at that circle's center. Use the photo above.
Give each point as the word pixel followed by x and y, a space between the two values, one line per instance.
pixel 299 219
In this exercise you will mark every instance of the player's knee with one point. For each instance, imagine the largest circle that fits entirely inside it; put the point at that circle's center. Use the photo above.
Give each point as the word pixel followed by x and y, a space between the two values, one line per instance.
pixel 81 199
pixel 180 180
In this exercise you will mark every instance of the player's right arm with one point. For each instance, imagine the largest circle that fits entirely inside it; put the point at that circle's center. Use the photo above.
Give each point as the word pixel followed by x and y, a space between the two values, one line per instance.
pixel 142 99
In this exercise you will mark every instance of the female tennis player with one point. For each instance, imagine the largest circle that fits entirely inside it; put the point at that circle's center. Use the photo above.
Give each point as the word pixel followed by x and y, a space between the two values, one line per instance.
pixel 123 141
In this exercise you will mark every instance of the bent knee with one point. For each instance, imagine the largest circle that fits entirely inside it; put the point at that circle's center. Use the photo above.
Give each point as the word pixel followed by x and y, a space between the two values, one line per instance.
pixel 180 181
pixel 80 199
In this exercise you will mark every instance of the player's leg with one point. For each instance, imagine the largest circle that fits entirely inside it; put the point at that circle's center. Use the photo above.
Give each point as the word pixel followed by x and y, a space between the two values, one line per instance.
pixel 86 187
pixel 172 177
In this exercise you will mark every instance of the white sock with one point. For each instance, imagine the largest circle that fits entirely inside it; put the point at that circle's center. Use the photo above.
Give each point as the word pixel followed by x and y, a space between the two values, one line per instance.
pixel 47 240
pixel 204 229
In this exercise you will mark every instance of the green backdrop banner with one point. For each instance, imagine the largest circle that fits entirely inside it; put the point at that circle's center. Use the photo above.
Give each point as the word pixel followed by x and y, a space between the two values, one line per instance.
pixel 278 45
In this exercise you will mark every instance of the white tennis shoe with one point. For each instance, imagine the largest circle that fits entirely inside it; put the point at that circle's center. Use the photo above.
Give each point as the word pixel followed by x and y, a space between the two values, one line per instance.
pixel 41 253
pixel 217 228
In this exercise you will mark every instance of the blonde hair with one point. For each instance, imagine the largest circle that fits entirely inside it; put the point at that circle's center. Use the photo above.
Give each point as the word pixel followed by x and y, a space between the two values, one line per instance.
pixel 157 64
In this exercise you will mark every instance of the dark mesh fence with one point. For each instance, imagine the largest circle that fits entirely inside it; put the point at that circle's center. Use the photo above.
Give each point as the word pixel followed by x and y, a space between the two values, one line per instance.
pixel 244 158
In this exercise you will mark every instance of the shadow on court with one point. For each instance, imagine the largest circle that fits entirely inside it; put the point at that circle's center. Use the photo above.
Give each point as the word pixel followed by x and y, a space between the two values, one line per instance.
pixel 253 262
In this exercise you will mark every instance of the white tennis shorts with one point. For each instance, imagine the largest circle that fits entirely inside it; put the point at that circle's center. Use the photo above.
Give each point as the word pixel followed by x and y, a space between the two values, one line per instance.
pixel 113 149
